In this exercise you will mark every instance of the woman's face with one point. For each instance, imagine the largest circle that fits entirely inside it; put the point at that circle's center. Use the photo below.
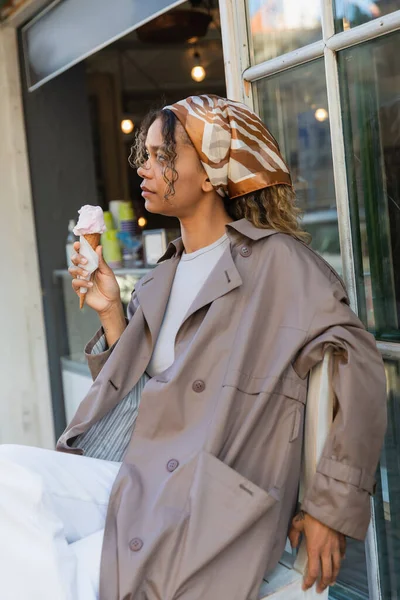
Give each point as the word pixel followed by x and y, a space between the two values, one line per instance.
pixel 191 184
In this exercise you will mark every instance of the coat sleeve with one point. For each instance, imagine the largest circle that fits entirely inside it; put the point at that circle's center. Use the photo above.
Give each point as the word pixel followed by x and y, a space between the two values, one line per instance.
pixel 339 494
pixel 97 351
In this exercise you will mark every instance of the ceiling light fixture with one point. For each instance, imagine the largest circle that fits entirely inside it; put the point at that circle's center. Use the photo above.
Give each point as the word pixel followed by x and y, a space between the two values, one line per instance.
pixel 321 114
pixel 142 221
pixel 198 72
pixel 127 126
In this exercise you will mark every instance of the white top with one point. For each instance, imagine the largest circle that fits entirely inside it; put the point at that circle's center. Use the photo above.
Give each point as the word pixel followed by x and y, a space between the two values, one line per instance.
pixel 192 271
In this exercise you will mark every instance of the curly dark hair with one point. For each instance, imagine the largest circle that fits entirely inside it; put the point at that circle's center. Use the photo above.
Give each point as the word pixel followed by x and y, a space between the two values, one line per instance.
pixel 273 207
pixel 138 155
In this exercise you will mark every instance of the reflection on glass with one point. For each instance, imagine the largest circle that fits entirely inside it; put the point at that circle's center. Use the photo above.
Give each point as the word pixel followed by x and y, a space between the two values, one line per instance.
pixel 350 13
pixel 352 583
pixel 294 106
pixel 279 26
pixel 370 75
pixel 387 498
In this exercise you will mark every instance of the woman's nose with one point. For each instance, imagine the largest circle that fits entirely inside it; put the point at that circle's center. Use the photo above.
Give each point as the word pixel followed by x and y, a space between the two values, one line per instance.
pixel 144 171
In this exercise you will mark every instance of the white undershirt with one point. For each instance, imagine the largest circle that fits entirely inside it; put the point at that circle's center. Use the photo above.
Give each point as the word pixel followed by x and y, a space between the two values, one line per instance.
pixel 192 271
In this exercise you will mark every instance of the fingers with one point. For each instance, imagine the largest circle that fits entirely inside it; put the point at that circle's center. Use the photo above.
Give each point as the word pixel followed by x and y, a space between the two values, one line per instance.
pixel 342 545
pixel 103 266
pixel 99 252
pixel 78 283
pixel 77 271
pixel 294 537
pixel 336 562
pixel 328 563
pixel 312 572
pixel 296 529
pixel 78 259
pixel 327 570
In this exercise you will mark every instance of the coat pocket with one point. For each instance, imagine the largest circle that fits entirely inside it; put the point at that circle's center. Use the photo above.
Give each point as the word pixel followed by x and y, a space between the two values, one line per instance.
pixel 289 386
pixel 264 426
pixel 222 506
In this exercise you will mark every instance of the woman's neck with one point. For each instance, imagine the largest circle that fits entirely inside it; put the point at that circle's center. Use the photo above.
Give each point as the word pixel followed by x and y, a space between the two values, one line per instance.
pixel 199 232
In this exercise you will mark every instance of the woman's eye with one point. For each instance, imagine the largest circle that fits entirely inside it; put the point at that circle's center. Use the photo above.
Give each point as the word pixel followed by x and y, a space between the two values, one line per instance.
pixel 161 157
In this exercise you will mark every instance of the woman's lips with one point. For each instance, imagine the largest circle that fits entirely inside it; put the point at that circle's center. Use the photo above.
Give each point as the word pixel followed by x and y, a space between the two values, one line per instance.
pixel 146 191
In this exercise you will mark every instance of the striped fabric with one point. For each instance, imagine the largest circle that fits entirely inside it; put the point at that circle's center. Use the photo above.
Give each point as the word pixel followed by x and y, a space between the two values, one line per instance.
pixel 237 151
pixel 115 427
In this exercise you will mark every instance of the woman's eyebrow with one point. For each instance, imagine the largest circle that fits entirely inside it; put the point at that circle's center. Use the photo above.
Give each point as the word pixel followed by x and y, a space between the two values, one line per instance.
pixel 153 148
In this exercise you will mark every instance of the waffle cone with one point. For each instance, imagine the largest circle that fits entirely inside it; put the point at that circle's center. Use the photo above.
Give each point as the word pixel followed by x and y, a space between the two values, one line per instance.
pixel 94 241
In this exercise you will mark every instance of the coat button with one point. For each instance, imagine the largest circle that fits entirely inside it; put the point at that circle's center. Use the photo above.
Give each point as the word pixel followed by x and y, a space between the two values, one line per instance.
pixel 245 251
pixel 198 386
pixel 136 544
pixel 172 465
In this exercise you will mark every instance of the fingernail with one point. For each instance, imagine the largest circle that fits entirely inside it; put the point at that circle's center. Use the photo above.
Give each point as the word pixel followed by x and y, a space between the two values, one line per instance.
pixel 85 273
pixel 84 261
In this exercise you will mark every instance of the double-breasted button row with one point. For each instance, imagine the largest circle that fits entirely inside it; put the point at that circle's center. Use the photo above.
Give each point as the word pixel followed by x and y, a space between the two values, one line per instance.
pixel 172 465
pixel 198 386
pixel 245 251
pixel 136 544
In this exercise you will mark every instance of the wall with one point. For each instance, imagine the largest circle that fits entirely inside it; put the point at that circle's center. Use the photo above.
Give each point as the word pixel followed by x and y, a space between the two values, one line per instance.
pixel 63 179
pixel 25 405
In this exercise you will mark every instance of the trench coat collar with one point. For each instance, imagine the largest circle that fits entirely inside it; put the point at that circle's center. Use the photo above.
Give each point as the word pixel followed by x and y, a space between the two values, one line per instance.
pixel 154 289
pixel 243 226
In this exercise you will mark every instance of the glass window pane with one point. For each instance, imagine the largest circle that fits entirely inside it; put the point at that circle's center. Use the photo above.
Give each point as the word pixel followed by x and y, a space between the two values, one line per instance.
pixel 279 26
pixel 387 498
pixel 294 106
pixel 370 90
pixel 352 580
pixel 352 583
pixel 350 13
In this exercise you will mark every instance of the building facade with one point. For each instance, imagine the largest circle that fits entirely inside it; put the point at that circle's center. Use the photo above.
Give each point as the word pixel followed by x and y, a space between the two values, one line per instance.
pixel 325 77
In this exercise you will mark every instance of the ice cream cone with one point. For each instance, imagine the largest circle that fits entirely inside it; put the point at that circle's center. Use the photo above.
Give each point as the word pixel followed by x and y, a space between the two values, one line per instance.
pixel 94 240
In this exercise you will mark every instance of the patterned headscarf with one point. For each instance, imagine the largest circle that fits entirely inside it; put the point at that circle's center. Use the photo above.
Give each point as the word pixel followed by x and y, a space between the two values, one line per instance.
pixel 237 151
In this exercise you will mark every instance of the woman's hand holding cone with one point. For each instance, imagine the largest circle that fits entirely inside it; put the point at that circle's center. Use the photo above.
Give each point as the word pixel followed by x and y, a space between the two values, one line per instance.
pixel 103 290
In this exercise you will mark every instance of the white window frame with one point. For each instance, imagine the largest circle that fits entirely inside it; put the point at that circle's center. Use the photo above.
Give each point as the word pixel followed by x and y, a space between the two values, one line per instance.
pixel 240 74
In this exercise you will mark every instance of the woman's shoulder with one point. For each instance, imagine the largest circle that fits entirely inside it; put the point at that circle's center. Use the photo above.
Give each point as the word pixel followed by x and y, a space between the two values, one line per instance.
pixel 294 256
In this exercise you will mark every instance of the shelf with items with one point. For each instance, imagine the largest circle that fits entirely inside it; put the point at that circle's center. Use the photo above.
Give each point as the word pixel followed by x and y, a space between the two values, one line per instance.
pixel 139 272
pixel 82 324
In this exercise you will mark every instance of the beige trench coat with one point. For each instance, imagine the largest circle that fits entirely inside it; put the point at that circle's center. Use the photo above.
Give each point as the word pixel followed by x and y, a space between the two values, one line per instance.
pixel 203 500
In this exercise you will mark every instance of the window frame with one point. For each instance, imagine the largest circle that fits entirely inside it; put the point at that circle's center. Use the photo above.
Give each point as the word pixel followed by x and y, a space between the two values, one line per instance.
pixel 241 74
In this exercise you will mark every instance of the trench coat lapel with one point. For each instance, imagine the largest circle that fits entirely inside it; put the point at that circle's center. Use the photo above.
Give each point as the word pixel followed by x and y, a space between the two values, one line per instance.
pixel 153 295
pixel 155 288
pixel 223 279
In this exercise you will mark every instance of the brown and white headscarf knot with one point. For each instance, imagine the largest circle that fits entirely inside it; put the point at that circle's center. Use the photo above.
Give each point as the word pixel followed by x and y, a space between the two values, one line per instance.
pixel 236 149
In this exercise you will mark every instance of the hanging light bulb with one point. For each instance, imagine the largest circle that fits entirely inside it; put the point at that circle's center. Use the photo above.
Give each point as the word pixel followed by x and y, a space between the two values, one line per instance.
pixel 127 126
pixel 142 221
pixel 198 72
pixel 321 114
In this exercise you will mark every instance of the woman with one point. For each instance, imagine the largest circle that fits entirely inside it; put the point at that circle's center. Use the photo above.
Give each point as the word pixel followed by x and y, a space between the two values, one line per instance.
pixel 200 483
